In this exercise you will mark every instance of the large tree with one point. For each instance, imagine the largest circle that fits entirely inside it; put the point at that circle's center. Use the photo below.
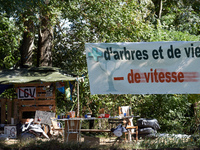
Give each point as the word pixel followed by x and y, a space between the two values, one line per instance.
pixel 36 20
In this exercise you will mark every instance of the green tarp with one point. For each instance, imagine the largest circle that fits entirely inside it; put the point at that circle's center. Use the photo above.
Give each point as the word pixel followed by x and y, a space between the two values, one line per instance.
pixel 34 74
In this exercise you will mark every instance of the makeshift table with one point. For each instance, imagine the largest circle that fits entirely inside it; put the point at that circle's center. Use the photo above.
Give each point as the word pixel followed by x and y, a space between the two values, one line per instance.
pixel 73 128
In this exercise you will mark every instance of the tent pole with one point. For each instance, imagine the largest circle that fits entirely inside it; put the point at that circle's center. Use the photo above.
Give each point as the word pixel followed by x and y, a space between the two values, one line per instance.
pixel 78 97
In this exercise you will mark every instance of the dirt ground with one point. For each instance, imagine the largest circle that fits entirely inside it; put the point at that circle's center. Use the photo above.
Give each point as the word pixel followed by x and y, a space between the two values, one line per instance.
pixel 84 139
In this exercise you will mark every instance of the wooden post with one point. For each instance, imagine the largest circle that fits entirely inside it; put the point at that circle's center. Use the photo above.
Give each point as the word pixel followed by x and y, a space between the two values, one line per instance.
pixel 78 96
pixel 16 111
pixel 9 111
pixel 3 111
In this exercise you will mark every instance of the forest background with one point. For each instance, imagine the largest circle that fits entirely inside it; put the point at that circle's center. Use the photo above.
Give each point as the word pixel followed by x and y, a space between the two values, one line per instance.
pixel 54 33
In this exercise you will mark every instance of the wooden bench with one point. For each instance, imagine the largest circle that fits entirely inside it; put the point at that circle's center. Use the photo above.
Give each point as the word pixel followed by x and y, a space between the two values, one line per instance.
pixel 108 130
pixel 95 130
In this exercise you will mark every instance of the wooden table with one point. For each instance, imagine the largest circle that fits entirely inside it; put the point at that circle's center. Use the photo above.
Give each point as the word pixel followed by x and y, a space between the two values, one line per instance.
pixel 73 126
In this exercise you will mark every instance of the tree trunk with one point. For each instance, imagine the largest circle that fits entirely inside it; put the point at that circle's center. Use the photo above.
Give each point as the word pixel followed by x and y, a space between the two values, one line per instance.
pixel 26 48
pixel 44 55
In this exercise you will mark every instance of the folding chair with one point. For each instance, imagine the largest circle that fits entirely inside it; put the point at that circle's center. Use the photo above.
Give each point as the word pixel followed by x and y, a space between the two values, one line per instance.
pixel 56 127
pixel 129 125
pixel 124 109
pixel 130 128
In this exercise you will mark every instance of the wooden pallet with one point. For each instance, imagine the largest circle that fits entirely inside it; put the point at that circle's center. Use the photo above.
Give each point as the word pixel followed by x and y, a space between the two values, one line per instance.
pixel 44 99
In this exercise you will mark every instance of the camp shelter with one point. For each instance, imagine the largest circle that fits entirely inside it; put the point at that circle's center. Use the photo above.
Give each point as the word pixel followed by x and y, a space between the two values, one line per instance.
pixel 35 90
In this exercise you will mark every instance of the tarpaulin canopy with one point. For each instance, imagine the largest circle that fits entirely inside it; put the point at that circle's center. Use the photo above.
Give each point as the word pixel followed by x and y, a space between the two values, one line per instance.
pixel 34 74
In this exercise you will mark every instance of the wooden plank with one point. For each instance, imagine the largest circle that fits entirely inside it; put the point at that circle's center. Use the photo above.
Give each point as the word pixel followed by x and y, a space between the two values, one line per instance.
pixel 9 111
pixel 15 111
pixel 132 127
pixel 95 130
pixel 42 108
pixel 3 111
pixel 43 96
pixel 20 113
pixel 41 89
pixel 16 100
pixel 37 102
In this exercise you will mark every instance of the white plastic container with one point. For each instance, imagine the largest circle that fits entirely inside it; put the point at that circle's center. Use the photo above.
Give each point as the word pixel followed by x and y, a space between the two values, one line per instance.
pixel 89 115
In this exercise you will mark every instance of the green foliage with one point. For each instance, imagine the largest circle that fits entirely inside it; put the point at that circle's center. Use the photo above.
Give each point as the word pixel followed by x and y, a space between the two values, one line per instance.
pixel 172 35
pixel 9 42
pixel 172 141
pixel 9 93
pixel 62 104
pixel 182 17
pixel 173 112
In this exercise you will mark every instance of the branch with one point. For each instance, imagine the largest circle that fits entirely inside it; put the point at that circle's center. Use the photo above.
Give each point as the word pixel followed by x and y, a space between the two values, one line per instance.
pixel 160 10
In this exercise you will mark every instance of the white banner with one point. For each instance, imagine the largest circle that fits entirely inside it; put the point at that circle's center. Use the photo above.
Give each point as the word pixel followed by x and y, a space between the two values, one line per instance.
pixel 144 67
